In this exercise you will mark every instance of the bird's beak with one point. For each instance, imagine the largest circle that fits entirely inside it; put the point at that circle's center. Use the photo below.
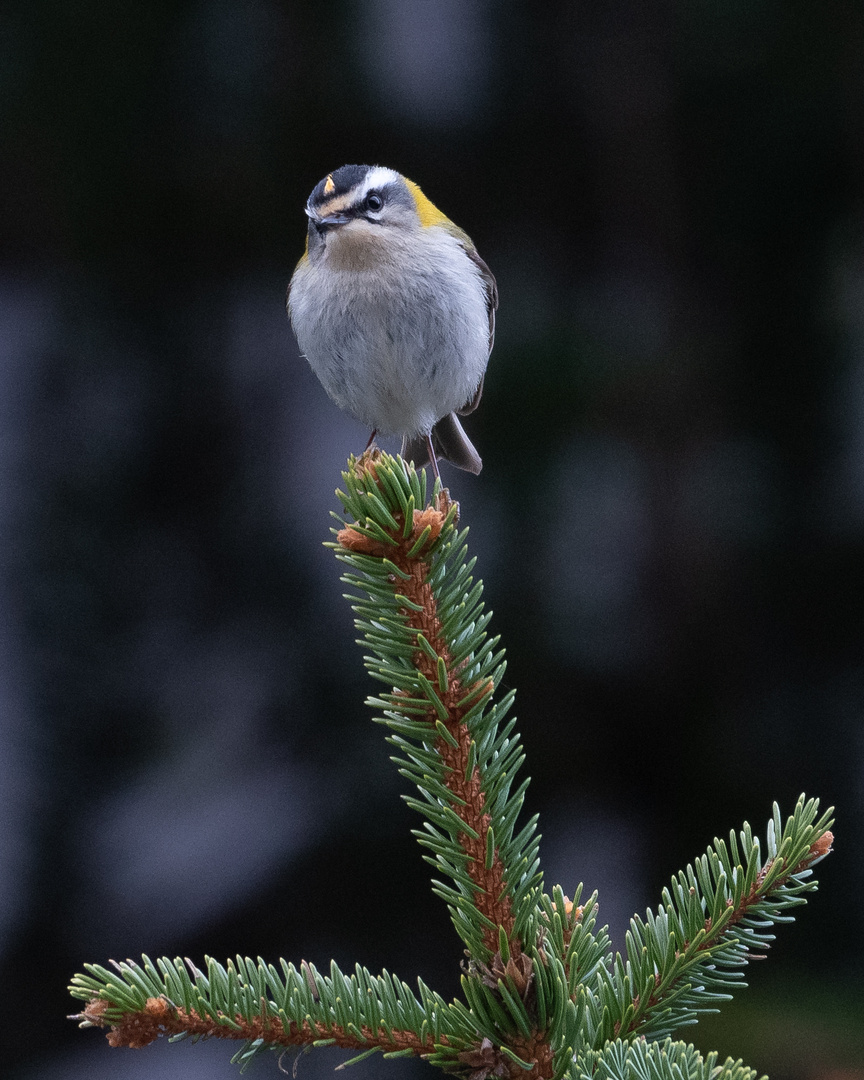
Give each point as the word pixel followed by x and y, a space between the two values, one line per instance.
pixel 331 221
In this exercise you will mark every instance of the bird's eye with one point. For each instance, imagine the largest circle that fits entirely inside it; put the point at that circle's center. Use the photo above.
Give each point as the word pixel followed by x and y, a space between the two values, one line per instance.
pixel 373 201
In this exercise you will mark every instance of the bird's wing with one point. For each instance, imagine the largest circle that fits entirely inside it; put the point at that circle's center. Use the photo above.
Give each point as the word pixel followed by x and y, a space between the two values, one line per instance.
pixel 491 289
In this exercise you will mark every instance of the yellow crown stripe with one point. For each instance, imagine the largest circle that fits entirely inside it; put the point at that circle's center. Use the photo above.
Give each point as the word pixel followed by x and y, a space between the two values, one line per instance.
pixel 427 211
pixel 329 186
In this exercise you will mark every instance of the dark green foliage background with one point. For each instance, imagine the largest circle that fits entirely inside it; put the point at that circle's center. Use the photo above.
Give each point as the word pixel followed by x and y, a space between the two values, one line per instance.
pixel 670 521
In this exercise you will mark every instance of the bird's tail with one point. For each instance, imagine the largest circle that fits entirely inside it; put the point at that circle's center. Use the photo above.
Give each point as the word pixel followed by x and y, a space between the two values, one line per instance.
pixel 449 441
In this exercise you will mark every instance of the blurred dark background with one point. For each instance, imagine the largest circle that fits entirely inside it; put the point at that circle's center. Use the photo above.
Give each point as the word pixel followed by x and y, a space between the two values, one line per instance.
pixel 670 521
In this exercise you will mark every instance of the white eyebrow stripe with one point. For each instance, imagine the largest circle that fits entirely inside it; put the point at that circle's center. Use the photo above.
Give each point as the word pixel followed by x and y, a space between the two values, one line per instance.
pixel 376 178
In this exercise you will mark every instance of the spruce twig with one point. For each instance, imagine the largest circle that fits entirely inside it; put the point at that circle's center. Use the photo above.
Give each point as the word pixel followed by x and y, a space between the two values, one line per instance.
pixel 542 995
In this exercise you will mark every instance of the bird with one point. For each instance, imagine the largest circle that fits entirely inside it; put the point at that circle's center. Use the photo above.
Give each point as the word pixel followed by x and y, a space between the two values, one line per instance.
pixel 395 312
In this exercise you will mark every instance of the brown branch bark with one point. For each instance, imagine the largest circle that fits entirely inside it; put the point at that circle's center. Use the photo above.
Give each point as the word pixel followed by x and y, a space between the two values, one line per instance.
pixel 160 1017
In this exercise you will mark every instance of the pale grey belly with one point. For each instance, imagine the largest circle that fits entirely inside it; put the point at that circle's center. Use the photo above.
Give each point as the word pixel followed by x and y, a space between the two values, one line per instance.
pixel 394 367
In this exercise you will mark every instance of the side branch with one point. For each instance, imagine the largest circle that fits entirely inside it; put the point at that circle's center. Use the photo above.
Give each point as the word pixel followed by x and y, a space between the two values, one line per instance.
pixel 160 1017
pixel 716 934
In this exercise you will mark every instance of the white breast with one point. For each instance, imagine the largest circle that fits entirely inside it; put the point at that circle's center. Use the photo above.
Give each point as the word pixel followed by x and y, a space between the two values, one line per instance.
pixel 399 340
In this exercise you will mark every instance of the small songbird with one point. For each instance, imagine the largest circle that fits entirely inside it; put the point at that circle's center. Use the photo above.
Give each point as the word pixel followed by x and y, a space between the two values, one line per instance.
pixel 395 311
